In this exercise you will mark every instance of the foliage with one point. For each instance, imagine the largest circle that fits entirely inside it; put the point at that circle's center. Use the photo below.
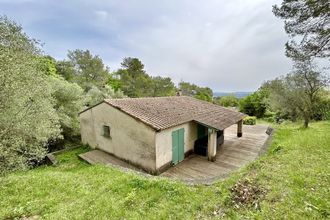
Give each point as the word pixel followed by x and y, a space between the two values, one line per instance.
pixel 321 110
pixel 298 92
pixel 271 116
pixel 68 102
pixel 94 95
pixel 250 120
pixel 306 21
pixel 162 86
pixel 203 93
pixel 227 101
pixel 88 70
pixel 27 117
pixel 47 65
pixel 135 82
pixel 91 74
pixel 203 96
pixel 294 174
pixel 254 104
pixel 114 82
pixel 65 69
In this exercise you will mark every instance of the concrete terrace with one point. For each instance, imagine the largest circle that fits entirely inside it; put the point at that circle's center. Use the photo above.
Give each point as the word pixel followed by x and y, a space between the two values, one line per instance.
pixel 234 154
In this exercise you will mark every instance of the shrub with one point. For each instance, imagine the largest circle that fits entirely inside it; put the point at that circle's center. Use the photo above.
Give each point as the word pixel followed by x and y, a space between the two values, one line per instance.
pixel 228 101
pixel 250 120
pixel 254 104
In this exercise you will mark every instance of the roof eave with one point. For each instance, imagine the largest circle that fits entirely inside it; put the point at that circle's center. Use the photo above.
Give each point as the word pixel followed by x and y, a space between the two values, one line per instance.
pixel 90 107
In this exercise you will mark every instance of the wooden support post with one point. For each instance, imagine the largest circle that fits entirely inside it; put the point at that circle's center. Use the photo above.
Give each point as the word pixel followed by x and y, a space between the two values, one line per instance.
pixel 212 144
pixel 240 128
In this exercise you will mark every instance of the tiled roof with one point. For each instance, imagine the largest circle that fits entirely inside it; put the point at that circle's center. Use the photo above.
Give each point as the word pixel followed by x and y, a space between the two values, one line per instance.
pixel 165 112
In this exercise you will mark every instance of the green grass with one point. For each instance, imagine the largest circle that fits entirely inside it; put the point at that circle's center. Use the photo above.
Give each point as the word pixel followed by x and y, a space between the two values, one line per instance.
pixel 294 173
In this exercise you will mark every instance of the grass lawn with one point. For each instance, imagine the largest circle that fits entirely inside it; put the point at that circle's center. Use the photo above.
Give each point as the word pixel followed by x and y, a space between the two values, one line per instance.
pixel 293 177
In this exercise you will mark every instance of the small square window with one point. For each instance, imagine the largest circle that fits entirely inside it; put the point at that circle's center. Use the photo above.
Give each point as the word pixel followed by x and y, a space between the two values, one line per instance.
pixel 106 131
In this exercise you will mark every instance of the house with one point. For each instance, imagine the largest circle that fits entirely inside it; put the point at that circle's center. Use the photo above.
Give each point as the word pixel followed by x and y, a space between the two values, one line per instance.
pixel 156 133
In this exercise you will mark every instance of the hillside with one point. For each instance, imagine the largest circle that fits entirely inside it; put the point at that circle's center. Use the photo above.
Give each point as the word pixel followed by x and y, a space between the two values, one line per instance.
pixel 290 181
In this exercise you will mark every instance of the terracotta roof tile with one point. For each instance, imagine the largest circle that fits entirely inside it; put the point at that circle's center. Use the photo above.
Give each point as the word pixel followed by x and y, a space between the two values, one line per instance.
pixel 165 112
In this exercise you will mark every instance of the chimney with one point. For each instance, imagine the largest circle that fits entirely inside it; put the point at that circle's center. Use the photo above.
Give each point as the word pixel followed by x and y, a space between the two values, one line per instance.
pixel 179 92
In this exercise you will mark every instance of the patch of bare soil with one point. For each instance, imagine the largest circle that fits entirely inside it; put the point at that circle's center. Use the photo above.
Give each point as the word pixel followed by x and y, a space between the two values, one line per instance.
pixel 247 193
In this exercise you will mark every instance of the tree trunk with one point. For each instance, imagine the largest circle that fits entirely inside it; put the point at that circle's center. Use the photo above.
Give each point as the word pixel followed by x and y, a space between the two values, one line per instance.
pixel 306 121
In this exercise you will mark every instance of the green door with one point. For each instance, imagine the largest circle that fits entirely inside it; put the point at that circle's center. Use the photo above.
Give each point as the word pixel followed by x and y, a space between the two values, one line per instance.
pixel 177 145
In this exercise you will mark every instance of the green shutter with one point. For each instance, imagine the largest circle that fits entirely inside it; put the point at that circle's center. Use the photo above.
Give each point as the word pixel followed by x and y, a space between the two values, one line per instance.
pixel 177 145
pixel 181 144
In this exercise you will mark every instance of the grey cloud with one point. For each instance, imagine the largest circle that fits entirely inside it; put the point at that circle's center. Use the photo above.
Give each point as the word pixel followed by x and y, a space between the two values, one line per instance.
pixel 227 45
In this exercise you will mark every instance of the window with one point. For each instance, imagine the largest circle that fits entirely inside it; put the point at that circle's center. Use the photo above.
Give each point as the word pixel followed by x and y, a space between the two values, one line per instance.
pixel 106 131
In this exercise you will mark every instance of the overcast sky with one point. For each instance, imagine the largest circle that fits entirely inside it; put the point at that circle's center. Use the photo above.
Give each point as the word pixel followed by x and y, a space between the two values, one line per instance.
pixel 227 45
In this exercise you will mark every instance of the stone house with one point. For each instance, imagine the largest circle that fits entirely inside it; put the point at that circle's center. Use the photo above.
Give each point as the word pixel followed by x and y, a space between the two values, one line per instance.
pixel 159 132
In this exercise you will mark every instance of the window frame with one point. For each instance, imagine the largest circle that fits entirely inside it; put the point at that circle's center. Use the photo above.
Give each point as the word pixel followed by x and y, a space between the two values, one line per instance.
pixel 106 131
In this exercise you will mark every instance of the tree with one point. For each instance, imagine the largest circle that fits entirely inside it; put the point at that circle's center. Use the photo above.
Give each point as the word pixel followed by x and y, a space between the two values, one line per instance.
pixel 91 74
pixel 135 82
pixel 203 93
pixel 254 104
pixel 306 21
pixel 114 82
pixel 188 89
pixel 68 101
pixel 88 71
pixel 65 69
pixel 68 98
pixel 228 101
pixel 47 65
pixel 134 66
pixel 299 91
pixel 162 86
pixel 203 96
pixel 321 110
pixel 27 117
pixel 94 95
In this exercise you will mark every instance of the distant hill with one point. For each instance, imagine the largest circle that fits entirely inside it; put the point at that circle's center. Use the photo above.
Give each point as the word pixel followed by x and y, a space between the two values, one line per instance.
pixel 237 94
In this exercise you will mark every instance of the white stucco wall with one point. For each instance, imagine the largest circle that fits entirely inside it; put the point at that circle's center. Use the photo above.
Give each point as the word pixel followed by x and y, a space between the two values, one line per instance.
pixel 87 128
pixel 164 142
pixel 130 139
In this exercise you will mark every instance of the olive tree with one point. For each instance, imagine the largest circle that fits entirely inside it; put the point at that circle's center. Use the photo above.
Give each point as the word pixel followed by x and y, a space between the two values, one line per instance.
pixel 95 95
pixel 299 91
pixel 68 101
pixel 27 117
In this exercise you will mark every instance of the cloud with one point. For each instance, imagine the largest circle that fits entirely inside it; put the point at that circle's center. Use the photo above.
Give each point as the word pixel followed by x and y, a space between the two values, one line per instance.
pixel 227 45
pixel 101 15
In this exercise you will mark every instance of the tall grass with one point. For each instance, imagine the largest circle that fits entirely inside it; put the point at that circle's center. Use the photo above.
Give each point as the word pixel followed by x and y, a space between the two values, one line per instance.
pixel 294 174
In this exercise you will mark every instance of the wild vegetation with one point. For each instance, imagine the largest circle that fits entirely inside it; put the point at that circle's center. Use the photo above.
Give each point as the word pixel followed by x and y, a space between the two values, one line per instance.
pixel 41 96
pixel 302 93
pixel 289 182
